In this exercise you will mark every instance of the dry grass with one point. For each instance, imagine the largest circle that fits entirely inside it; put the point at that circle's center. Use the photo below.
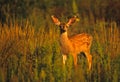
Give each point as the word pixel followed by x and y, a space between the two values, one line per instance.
pixel 30 55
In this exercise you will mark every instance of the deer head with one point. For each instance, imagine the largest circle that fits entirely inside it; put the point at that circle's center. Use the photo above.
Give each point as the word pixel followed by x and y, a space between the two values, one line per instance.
pixel 64 26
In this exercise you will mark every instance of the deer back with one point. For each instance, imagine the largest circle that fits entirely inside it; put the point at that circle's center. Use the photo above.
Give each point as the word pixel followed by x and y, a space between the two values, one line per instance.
pixel 81 42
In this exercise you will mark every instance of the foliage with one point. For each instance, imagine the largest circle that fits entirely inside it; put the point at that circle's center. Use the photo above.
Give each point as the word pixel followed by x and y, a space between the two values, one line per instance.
pixel 30 55
pixel 102 9
pixel 29 41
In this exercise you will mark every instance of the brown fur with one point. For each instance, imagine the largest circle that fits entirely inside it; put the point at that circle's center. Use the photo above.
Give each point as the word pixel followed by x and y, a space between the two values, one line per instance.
pixel 75 44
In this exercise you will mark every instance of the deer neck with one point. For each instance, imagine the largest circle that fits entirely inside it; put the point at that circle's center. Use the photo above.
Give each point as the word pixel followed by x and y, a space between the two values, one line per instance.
pixel 64 37
pixel 65 43
pixel 64 40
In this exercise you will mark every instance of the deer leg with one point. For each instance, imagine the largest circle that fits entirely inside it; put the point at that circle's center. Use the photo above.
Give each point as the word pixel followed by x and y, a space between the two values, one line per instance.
pixel 75 59
pixel 89 58
pixel 64 59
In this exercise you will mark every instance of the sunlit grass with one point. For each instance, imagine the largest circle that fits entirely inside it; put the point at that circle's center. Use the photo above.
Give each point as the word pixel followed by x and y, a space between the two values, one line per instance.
pixel 30 55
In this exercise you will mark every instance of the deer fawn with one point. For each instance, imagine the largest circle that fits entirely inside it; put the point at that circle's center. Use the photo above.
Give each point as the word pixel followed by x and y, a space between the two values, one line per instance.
pixel 75 44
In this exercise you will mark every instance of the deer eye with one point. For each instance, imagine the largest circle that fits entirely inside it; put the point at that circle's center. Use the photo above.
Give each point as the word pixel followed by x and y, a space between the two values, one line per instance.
pixel 61 26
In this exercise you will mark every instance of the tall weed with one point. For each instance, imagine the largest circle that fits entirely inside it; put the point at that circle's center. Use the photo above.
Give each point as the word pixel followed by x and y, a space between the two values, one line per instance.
pixel 31 55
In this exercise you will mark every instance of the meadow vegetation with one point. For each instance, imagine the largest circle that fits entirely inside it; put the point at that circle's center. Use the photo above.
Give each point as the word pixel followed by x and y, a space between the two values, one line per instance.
pixel 29 42
pixel 30 55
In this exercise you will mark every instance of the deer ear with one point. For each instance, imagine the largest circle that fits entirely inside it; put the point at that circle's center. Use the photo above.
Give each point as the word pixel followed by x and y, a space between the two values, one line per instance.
pixel 72 20
pixel 55 20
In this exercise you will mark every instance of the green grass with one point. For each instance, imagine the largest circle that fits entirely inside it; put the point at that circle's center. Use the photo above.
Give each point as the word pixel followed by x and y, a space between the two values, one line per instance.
pixel 30 55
